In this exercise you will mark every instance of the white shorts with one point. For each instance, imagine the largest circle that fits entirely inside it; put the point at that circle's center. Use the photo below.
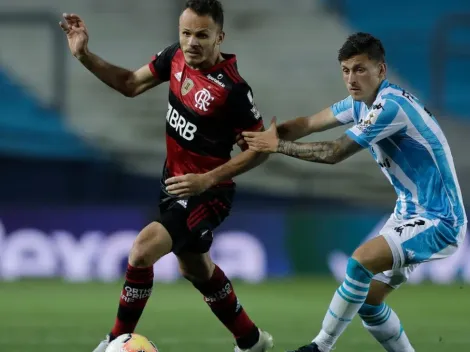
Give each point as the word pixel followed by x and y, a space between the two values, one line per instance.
pixel 417 241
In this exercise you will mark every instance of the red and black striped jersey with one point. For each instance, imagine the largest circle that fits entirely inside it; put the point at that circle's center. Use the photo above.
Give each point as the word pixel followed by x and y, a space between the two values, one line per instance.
pixel 206 110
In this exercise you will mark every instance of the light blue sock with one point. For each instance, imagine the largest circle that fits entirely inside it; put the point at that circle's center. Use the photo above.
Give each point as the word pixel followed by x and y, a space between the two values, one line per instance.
pixel 347 301
pixel 382 322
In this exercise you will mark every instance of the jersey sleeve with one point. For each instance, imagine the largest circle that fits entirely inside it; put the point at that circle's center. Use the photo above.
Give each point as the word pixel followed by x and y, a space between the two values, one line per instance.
pixel 243 111
pixel 384 120
pixel 161 63
pixel 343 110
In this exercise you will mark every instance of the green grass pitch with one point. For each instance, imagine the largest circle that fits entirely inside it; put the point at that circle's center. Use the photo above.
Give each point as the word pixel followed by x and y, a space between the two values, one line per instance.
pixel 50 316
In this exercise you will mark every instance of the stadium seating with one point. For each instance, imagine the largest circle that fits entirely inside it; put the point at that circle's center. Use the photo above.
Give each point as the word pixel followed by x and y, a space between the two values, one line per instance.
pixel 28 128
pixel 408 30
pixel 286 53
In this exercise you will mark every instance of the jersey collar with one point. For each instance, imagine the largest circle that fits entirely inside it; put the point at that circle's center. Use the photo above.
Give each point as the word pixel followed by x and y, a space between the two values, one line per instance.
pixel 229 59
pixel 385 83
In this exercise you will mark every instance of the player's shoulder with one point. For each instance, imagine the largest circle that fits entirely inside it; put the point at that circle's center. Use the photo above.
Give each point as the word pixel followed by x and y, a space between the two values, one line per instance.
pixel 395 94
pixel 386 106
pixel 389 95
pixel 170 51
pixel 227 74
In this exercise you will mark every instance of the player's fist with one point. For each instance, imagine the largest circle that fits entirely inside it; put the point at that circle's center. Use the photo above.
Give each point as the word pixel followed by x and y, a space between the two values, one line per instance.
pixel 188 185
pixel 77 34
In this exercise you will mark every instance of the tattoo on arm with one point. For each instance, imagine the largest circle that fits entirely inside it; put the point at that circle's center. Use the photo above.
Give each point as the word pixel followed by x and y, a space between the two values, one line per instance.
pixel 331 152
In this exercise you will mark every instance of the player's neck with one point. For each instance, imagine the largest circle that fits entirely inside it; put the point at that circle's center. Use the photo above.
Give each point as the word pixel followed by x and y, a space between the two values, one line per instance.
pixel 218 58
pixel 369 102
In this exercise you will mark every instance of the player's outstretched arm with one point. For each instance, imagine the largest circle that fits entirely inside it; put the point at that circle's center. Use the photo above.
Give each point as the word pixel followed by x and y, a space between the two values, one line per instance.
pixel 194 184
pixel 331 152
pixel 303 126
pixel 127 82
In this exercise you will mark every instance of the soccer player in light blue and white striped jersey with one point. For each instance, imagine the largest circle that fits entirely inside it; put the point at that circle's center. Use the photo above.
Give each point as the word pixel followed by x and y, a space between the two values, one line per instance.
pixel 429 220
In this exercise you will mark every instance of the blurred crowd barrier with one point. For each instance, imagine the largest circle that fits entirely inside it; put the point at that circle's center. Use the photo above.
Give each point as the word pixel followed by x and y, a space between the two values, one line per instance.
pixel 80 164
pixel 254 244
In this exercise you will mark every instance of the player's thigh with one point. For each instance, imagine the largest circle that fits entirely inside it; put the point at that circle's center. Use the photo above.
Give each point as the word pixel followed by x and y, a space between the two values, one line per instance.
pixel 196 266
pixel 152 243
pixel 414 242
pixel 420 240
pixel 191 222
pixel 375 255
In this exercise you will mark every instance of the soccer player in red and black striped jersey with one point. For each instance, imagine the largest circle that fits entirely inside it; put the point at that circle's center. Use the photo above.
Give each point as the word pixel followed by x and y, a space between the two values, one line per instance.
pixel 209 105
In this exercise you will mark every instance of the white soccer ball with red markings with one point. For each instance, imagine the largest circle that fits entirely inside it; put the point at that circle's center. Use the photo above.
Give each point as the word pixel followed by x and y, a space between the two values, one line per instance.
pixel 131 343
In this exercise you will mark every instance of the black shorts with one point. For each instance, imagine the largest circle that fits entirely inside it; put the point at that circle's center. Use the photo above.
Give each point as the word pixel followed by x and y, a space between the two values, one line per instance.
pixel 190 222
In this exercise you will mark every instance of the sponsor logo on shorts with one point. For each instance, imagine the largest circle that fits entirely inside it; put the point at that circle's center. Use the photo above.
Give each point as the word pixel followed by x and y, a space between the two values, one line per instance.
pixel 400 229
pixel 410 254
pixel 183 203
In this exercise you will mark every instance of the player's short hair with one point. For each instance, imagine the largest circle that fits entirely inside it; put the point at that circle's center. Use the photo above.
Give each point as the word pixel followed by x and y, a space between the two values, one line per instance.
pixel 212 8
pixel 362 43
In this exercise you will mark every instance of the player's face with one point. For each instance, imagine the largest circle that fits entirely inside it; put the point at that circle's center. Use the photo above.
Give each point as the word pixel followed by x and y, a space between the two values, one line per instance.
pixel 363 77
pixel 200 38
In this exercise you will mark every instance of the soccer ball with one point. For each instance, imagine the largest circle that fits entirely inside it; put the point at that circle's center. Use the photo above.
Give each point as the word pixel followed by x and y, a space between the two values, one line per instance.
pixel 131 343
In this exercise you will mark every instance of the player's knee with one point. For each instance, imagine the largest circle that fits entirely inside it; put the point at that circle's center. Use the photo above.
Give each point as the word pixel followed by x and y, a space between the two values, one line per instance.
pixel 198 272
pixel 152 243
pixel 365 258
pixel 196 277
pixel 355 270
pixel 375 255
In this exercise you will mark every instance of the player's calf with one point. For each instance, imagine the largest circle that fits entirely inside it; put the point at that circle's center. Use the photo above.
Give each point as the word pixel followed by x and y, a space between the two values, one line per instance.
pixel 381 321
pixel 385 326
pixel 372 257
pixel 220 296
pixel 347 300
pixel 196 267
pixel 152 243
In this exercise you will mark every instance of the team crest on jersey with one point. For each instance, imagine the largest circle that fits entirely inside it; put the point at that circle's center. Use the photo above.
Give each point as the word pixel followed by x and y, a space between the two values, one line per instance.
pixel 203 99
pixel 366 122
pixel 187 85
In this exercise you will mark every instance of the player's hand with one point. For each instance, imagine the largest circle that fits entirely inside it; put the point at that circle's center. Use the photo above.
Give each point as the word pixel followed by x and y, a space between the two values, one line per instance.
pixel 241 142
pixel 188 185
pixel 77 34
pixel 263 142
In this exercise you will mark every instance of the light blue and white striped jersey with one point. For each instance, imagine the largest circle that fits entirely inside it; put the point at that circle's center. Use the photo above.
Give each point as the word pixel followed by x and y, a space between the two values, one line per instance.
pixel 412 151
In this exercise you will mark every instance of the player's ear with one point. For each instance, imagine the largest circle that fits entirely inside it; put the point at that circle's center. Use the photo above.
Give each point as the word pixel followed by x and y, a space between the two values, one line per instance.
pixel 383 69
pixel 220 37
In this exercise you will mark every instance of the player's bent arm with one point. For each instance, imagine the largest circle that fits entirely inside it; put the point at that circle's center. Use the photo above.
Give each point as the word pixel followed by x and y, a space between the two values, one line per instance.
pixel 331 152
pixel 238 165
pixel 127 82
pixel 303 126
